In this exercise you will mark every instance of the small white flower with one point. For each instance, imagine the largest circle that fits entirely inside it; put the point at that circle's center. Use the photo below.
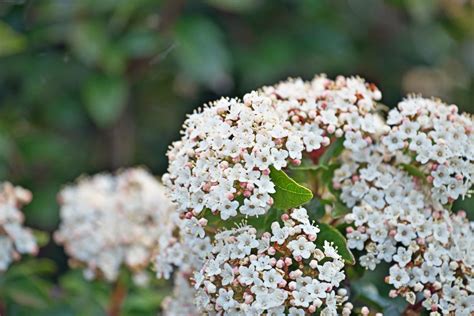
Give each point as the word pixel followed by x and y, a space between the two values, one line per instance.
pixel 302 247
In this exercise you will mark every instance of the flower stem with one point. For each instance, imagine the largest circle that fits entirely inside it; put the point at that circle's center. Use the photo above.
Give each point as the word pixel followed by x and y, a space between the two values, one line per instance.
pixel 117 298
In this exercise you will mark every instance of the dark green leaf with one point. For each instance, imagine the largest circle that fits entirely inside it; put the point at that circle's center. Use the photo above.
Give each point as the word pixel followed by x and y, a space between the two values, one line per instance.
pixel 339 209
pixel 42 238
pixel 10 41
pixel 201 52
pixel 315 208
pixel 105 98
pixel 31 292
pixel 289 194
pixel 334 150
pixel 331 234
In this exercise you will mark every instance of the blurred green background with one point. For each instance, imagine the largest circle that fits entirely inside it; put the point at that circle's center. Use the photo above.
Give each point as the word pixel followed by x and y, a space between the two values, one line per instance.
pixel 89 85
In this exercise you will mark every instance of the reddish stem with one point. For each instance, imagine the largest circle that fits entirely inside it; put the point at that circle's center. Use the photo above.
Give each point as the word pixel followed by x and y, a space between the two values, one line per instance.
pixel 117 298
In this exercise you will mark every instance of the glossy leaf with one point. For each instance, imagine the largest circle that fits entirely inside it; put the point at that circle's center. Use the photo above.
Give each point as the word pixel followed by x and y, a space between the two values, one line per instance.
pixel 331 234
pixel 289 193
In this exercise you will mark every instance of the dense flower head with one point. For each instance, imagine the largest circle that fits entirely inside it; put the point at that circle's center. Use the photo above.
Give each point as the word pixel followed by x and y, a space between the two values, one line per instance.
pixel 277 273
pixel 430 249
pixel 186 250
pixel 439 139
pixel 181 301
pixel 15 239
pixel 223 160
pixel 110 220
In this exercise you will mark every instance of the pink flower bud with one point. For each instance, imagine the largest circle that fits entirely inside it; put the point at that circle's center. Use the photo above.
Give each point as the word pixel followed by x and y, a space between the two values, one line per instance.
pixel 311 309
pixel 296 162
pixel 271 251
pixel 364 311
pixel 266 172
pixel 248 298
pixel 288 261
pixel 247 193
pixel 280 264
pixel 230 196
pixel 426 293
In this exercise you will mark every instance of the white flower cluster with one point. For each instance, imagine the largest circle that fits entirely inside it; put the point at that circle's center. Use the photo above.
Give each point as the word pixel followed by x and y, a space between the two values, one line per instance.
pixel 187 251
pixel 430 250
pixel 279 273
pixel 222 162
pixel 181 302
pixel 441 141
pixel 112 220
pixel 14 238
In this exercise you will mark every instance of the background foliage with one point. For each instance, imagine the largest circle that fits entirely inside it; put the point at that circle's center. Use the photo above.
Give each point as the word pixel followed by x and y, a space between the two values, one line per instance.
pixel 87 85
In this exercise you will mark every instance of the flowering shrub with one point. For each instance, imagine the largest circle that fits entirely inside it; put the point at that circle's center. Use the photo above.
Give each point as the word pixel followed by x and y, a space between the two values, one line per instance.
pixel 277 203
pixel 14 238
pixel 112 220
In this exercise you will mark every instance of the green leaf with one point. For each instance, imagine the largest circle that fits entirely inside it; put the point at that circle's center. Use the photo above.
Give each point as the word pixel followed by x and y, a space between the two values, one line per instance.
pixel 31 292
pixel 316 209
pixel 89 40
pixel 307 164
pixel 289 194
pixel 201 52
pixel 331 234
pixel 414 171
pixel 334 150
pixel 339 209
pixel 105 97
pixel 11 42
pixel 42 238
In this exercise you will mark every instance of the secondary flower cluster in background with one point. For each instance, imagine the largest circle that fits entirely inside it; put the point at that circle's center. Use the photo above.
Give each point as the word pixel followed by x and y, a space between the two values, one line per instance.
pixel 112 220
